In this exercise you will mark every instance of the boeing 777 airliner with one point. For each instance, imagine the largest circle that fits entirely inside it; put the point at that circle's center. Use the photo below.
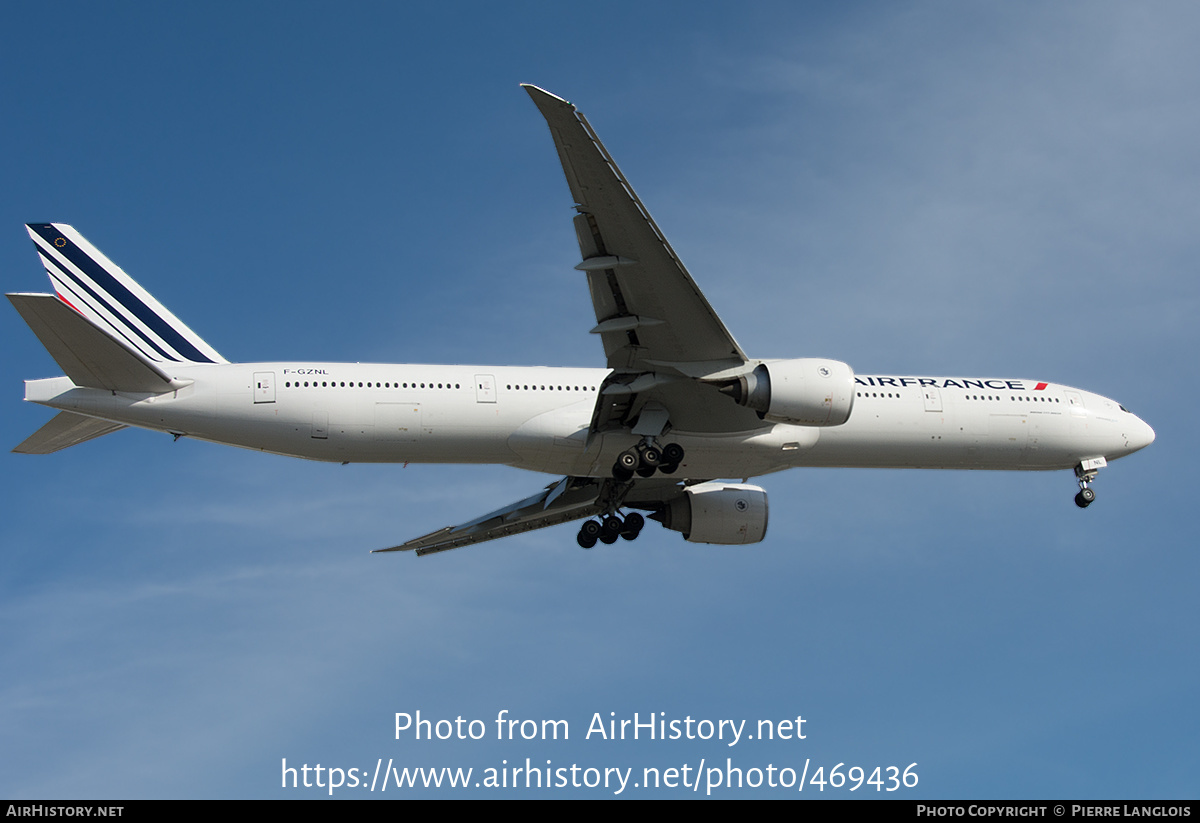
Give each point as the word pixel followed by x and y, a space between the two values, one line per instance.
pixel 678 407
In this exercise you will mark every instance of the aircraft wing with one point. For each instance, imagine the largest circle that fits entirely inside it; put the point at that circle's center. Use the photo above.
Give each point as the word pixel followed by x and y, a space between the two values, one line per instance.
pixel 649 310
pixel 572 498
pixel 659 332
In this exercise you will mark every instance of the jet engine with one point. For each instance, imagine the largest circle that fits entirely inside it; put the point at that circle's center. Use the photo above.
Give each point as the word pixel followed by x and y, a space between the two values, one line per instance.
pixel 805 392
pixel 716 512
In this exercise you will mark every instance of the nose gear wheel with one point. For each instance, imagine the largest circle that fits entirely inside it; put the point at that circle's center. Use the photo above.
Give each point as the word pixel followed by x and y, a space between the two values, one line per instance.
pixel 1087 495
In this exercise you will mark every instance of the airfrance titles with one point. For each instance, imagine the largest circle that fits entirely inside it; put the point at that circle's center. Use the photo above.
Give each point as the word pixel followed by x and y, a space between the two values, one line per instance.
pixel 945 383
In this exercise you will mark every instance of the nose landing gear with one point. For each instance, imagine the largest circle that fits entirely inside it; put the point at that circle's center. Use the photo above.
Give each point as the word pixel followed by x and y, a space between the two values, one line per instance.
pixel 1086 472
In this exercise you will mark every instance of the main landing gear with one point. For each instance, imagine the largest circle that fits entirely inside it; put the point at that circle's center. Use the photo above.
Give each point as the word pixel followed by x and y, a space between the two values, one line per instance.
pixel 1086 472
pixel 609 528
pixel 645 459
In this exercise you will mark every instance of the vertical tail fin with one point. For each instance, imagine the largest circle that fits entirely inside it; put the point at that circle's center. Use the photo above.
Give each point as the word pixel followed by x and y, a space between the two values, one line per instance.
pixel 97 288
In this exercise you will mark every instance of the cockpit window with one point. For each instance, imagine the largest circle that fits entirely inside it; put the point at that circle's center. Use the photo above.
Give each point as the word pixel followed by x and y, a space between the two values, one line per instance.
pixel 1127 411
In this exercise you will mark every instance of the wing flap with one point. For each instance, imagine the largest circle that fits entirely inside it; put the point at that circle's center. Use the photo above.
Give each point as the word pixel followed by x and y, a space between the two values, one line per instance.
pixel 65 429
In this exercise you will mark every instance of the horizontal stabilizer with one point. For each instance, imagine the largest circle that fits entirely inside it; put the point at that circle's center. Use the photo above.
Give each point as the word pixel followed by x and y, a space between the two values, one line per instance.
pixel 88 355
pixel 65 429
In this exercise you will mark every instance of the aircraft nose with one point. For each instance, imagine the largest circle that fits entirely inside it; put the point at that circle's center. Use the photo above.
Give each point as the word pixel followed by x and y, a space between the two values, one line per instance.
pixel 1141 436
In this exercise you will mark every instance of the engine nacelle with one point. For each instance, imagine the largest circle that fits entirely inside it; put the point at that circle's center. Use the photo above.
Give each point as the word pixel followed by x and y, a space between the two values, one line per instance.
pixel 729 514
pixel 804 392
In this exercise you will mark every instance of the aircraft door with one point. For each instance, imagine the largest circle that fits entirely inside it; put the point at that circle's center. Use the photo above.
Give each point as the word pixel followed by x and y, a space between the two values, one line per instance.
pixel 485 388
pixel 1075 402
pixel 264 387
pixel 933 399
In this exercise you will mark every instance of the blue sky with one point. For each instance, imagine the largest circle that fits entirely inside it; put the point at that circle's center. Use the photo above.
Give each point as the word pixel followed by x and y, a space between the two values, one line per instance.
pixel 1003 190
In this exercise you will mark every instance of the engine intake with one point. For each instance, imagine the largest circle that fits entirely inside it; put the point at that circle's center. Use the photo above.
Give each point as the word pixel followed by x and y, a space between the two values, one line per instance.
pixel 805 392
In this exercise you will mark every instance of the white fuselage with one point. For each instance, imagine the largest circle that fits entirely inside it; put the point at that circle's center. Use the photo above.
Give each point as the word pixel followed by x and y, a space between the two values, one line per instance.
pixel 539 418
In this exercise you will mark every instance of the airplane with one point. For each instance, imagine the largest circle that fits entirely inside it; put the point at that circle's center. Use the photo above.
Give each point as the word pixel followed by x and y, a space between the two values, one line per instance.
pixel 675 425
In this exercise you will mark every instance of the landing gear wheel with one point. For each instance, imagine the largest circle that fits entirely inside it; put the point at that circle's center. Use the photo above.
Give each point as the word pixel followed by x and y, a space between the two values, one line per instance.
pixel 651 457
pixel 668 468
pixel 633 526
pixel 608 539
pixel 629 460
pixel 588 534
pixel 672 454
pixel 646 471
pixel 1085 473
pixel 620 474
pixel 612 526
